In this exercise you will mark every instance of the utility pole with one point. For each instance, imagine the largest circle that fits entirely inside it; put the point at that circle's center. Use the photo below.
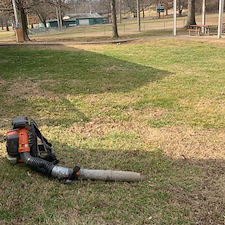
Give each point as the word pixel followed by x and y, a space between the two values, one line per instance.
pixel 15 14
pixel 174 17
pixel 138 16
pixel 203 14
pixel 220 22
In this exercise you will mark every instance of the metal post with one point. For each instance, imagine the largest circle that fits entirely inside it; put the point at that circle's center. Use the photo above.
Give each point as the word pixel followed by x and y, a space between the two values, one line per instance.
pixel 138 15
pixel 203 15
pixel 174 17
pixel 220 22
pixel 15 14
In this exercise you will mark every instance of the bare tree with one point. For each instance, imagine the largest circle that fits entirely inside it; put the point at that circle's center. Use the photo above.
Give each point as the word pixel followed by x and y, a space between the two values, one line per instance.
pixel 145 4
pixel 114 20
pixel 181 4
pixel 105 8
pixel 21 5
pixel 191 13
pixel 168 4
pixel 4 18
pixel 43 10
pixel 81 6
pixel 132 6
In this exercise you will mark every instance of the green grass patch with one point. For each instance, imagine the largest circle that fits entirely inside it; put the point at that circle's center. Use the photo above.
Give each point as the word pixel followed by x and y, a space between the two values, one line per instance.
pixel 154 107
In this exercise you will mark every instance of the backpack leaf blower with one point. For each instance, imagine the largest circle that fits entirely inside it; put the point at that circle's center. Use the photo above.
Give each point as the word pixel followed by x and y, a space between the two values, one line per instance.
pixel 26 144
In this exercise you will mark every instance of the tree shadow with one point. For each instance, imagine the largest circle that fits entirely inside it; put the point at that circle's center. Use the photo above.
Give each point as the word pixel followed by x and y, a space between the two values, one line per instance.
pixel 79 73
pixel 55 112
pixel 191 188
pixel 172 191
pixel 75 71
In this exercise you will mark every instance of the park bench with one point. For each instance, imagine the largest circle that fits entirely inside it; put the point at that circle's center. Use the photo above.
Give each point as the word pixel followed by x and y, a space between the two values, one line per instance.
pixel 199 29
pixel 196 31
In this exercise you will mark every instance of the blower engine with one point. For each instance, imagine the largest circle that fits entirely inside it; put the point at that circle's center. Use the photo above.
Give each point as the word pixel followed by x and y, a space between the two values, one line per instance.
pixel 26 144
pixel 24 138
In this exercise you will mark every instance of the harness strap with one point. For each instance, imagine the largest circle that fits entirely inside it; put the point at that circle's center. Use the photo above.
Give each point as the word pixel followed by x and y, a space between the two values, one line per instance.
pixel 47 146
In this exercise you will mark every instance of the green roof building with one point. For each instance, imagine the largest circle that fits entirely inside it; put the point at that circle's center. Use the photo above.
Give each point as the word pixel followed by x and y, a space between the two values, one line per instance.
pixel 79 19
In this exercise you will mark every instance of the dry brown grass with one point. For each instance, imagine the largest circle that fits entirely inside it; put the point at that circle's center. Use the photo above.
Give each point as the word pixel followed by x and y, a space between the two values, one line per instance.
pixel 191 169
pixel 29 89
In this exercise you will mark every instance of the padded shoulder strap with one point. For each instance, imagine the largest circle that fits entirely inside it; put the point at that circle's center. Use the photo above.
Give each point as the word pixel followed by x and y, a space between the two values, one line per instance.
pixel 47 146
pixel 43 139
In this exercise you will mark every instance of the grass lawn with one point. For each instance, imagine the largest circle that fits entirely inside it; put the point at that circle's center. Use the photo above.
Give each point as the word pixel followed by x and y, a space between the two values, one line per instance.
pixel 7 35
pixel 156 107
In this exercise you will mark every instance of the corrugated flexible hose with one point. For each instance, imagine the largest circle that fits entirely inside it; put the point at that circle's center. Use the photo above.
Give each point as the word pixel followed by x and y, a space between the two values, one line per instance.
pixel 59 172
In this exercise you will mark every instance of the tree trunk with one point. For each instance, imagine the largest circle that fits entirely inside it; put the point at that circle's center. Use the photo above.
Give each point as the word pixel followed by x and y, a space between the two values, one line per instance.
pixel 45 24
pixel 114 20
pixel 167 12
pixel 191 13
pixel 22 20
pixel 7 25
pixel 2 25
pixel 180 12
pixel 109 16
pixel 24 24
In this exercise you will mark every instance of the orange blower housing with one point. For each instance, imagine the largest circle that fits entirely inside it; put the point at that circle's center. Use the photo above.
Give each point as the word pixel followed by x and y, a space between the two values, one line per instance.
pixel 17 140
pixel 23 140
pixel 26 137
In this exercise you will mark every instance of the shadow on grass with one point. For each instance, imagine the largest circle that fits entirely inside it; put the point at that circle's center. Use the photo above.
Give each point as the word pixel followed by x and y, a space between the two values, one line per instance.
pixel 75 71
pixel 36 81
pixel 112 202
pixel 171 192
